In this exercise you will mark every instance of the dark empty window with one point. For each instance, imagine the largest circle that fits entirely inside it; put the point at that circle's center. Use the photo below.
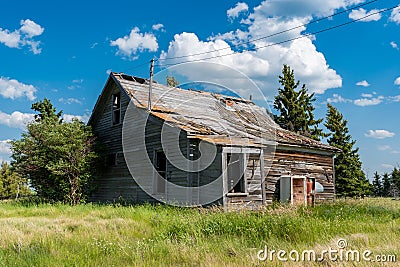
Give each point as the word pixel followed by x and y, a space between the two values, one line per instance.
pixel 116 108
pixel 161 167
pixel 112 159
pixel 236 181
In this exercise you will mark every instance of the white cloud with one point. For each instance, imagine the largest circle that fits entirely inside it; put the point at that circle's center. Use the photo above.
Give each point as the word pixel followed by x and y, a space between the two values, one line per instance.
pixel 363 83
pixel 395 15
pixel 158 27
pixel 136 41
pixel 234 37
pixel 31 28
pixel 394 98
pixel 379 134
pixel 5 151
pixel 189 43
pixel 34 46
pixel 70 100
pixel 387 166
pixel 337 99
pixel 108 71
pixel 397 81
pixel 394 45
pixel 5 147
pixel 76 84
pixel 69 117
pixel 11 88
pixel 295 8
pixel 78 81
pixel 369 101
pixel 246 62
pixel 367 95
pixel 235 11
pixel 23 36
pixel 384 148
pixel 263 63
pixel 16 119
pixel 371 15
pixel 10 39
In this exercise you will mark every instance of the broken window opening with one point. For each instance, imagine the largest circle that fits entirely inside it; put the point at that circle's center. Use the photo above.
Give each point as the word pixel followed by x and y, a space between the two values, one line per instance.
pixel 116 108
pixel 236 179
pixel 161 167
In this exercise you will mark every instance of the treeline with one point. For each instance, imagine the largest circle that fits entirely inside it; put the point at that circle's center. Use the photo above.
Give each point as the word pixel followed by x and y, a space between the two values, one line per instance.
pixel 387 184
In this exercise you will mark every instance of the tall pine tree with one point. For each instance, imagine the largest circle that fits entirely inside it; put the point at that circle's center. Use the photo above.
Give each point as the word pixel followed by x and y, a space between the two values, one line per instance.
pixel 377 183
pixel 387 185
pixel 295 107
pixel 350 179
pixel 172 82
pixel 395 175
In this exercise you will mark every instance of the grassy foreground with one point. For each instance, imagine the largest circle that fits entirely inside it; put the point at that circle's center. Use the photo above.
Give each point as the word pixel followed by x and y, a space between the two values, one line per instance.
pixel 145 235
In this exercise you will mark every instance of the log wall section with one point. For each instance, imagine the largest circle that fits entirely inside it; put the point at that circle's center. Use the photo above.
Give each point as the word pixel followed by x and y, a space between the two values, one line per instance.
pixel 291 162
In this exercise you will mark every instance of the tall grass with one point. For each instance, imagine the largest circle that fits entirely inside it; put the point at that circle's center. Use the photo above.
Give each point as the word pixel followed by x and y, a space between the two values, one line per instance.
pixel 39 234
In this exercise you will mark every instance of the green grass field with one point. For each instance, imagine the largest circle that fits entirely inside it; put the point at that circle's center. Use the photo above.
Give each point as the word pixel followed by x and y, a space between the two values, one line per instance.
pixel 145 235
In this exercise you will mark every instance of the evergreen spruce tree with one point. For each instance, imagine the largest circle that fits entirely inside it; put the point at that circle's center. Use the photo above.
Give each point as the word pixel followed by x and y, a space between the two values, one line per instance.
pixel 386 185
pixel 377 183
pixel 350 179
pixel 172 82
pixel 395 177
pixel 295 107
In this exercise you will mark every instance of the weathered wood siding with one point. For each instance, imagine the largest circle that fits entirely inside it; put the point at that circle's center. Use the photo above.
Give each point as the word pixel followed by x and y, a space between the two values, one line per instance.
pixel 174 175
pixel 114 182
pixel 212 174
pixel 308 164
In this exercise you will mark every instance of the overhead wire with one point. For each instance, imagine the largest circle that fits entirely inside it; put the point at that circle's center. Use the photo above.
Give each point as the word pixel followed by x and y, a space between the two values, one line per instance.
pixel 139 65
pixel 285 41
pixel 275 34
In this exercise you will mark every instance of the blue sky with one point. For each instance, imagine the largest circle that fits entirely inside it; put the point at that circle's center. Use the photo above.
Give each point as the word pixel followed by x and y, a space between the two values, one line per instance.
pixel 64 51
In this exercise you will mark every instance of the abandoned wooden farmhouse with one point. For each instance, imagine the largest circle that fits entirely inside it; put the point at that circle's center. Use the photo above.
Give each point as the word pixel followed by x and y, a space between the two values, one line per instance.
pixel 230 152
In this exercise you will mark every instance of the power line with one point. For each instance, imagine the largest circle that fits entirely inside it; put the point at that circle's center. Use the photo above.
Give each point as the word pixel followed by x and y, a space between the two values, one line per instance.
pixel 139 65
pixel 288 40
pixel 274 34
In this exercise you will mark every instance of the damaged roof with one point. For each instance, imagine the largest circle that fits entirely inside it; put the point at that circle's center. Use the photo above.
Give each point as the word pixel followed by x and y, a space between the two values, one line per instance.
pixel 212 117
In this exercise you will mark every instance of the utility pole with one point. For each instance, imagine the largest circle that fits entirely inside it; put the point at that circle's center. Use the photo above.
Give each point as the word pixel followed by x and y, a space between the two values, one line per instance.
pixel 151 83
